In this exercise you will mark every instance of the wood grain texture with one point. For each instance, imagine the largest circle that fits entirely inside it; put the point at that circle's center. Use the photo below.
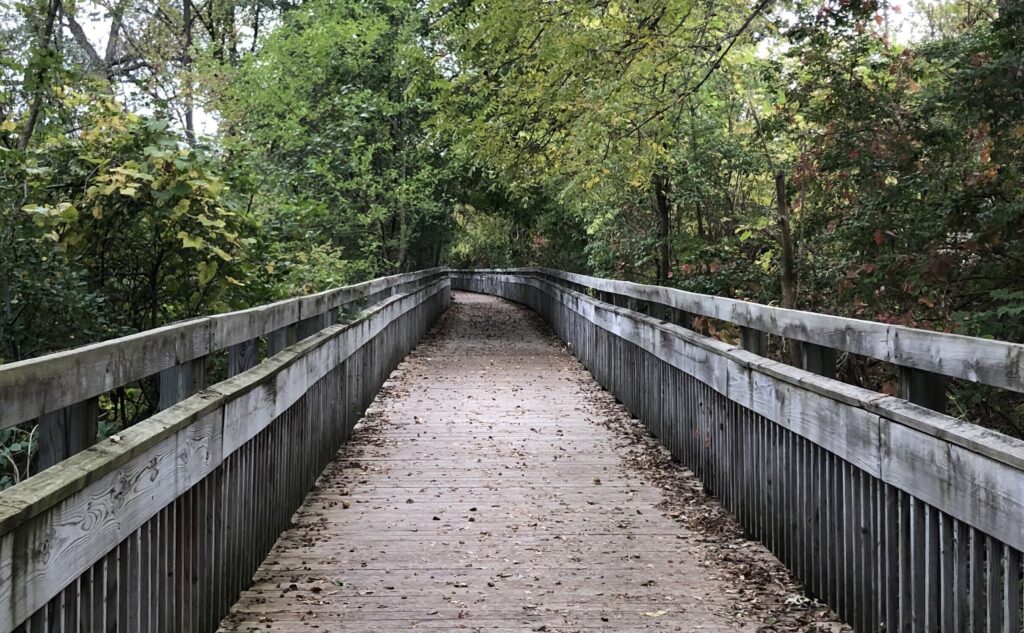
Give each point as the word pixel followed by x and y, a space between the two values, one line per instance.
pixel 33 387
pixel 990 362
pixel 96 512
pixel 483 493
pixel 892 473
pixel 814 406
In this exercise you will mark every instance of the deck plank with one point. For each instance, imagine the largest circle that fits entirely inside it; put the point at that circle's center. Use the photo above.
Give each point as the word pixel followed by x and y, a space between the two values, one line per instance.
pixel 482 493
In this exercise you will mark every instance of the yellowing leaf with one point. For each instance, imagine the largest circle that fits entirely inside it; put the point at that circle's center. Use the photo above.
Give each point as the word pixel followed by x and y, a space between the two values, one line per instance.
pixel 207 271
pixel 205 221
pixel 181 208
pixel 214 186
pixel 223 255
pixel 8 126
pixel 190 241
pixel 68 212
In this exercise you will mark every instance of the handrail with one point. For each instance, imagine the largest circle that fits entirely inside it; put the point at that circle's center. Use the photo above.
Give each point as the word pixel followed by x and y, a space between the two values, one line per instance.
pixel 893 513
pixel 36 386
pixel 54 388
pixel 986 361
pixel 202 488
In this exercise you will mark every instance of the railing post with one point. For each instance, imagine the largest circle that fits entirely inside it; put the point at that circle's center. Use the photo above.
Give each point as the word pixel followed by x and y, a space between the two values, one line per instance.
pixel 282 338
pixel 243 356
pixel 682 318
pixel 818 359
pixel 923 388
pixel 181 381
pixel 67 431
pixel 310 326
pixel 754 341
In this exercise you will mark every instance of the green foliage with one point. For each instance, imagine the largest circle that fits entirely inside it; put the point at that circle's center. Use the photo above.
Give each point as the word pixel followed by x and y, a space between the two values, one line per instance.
pixel 636 139
pixel 332 113
pixel 484 241
pixel 17 446
pixel 319 268
pixel 903 163
pixel 147 223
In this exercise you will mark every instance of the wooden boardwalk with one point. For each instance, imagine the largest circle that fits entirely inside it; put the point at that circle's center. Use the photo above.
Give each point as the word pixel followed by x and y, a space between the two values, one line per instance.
pixel 493 485
pixel 483 493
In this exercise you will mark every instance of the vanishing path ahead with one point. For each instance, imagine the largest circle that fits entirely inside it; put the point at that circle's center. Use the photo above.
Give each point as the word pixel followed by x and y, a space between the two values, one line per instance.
pixel 486 491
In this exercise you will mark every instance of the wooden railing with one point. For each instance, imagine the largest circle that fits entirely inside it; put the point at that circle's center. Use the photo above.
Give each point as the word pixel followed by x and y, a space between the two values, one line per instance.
pixel 898 516
pixel 158 528
pixel 62 390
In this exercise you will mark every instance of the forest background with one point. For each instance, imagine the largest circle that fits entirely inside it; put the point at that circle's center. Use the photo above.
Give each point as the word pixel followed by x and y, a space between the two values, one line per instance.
pixel 163 159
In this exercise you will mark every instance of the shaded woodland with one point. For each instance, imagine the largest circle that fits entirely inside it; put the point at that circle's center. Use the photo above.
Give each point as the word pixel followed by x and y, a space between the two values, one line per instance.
pixel 163 159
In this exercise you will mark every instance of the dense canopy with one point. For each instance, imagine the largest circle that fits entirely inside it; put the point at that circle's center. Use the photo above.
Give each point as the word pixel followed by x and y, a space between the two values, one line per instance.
pixel 161 159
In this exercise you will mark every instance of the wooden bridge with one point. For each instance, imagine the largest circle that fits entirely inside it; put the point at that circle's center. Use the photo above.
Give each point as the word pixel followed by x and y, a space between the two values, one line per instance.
pixel 492 485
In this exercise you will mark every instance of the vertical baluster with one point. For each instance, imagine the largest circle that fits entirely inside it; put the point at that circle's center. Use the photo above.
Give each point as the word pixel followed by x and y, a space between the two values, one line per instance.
pixel 961 576
pixel 932 553
pixel 1012 619
pixel 977 582
pixel 923 388
pixel 754 341
pixel 282 338
pixel 993 585
pixel 890 569
pixel 947 595
pixel 181 381
pixel 243 356
pixel 67 431
pixel 311 325
pixel 818 359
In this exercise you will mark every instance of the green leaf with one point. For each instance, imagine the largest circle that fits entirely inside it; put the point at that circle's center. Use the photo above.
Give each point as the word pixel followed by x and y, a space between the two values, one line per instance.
pixel 207 271
pixel 190 241
pixel 205 221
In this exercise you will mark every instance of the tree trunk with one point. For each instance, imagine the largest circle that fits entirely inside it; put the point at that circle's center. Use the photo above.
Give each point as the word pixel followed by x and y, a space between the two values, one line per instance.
pixel 9 349
pixel 186 19
pixel 660 200
pixel 1011 12
pixel 701 233
pixel 39 89
pixel 404 231
pixel 789 272
pixel 255 28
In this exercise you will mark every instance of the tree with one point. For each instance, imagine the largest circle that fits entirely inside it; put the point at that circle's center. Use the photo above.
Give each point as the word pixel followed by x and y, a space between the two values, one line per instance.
pixel 334 108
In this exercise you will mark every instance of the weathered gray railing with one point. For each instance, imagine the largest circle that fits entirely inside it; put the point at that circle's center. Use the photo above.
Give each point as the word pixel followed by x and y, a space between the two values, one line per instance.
pixel 61 390
pixel 901 518
pixel 159 528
